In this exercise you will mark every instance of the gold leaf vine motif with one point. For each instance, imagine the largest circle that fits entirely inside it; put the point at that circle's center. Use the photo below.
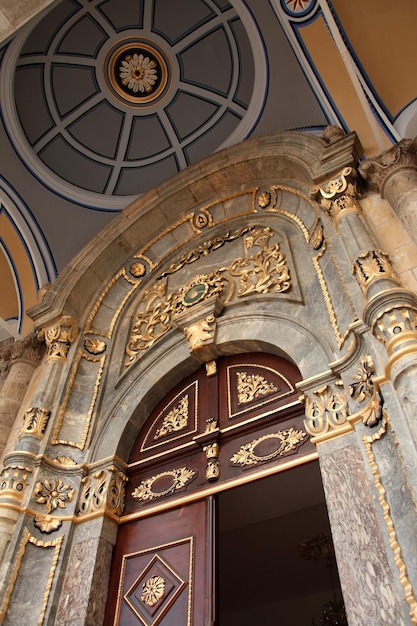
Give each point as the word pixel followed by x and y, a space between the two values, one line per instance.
pixel 364 388
pixel 261 272
pixel 175 420
pixel 252 386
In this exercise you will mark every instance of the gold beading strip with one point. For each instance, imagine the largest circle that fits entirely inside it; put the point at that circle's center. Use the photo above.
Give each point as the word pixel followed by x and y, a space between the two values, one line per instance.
pixel 396 548
pixel 55 438
pixel 88 326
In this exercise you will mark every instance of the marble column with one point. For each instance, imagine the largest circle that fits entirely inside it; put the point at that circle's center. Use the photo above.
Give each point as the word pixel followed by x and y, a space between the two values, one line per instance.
pixel 374 580
pixel 393 174
pixel 24 358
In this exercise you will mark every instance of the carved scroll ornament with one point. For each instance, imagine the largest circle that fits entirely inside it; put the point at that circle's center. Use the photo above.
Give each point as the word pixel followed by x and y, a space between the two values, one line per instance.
pixel 263 272
pixel 252 386
pixel 326 409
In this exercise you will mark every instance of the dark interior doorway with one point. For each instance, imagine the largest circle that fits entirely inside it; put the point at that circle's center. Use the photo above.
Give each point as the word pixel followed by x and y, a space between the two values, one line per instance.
pixel 263 579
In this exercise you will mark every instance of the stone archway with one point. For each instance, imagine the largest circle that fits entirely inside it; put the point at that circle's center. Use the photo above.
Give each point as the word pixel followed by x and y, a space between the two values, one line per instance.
pixel 236 254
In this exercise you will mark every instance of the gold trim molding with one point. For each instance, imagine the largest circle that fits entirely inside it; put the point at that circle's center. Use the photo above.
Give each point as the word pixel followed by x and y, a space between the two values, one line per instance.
pixel 28 538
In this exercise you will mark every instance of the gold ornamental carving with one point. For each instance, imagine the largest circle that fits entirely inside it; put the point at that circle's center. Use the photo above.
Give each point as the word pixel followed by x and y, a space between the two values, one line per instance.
pixel 200 333
pixel 373 265
pixel 282 442
pixel 326 410
pixel 173 480
pixel 35 422
pixel 383 501
pixel 252 386
pixel 364 389
pixel 13 482
pixel 153 590
pixel 102 491
pixel 205 248
pixel 175 420
pixel 54 494
pixel 395 324
pixel 30 539
pixel 59 337
pixel 339 195
pixel 262 272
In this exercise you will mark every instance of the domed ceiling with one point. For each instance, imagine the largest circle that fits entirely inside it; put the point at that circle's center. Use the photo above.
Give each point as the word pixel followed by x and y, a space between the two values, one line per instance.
pixel 101 100
pixel 125 94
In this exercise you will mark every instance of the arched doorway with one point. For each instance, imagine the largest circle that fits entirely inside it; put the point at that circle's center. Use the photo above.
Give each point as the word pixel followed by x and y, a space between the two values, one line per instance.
pixel 225 433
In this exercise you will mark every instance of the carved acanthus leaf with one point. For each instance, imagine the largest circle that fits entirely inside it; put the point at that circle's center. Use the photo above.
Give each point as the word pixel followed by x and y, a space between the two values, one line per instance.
pixel 175 420
pixel 252 386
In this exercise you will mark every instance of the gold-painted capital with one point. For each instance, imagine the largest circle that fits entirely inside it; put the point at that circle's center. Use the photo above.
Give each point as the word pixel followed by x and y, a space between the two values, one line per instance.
pixel 377 170
pixel 339 195
pixel 59 337
pixel 372 266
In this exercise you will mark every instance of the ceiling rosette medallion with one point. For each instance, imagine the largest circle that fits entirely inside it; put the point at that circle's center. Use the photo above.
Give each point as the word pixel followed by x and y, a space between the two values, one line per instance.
pixel 137 72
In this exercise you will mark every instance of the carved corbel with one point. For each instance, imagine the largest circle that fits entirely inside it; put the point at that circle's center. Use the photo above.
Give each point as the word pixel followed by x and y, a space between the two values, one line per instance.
pixel 59 337
pixel 198 322
pixel 102 492
pixel 327 412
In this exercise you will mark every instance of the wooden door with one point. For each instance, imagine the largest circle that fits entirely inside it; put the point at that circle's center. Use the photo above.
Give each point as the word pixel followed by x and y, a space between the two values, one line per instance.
pixel 213 431
pixel 162 569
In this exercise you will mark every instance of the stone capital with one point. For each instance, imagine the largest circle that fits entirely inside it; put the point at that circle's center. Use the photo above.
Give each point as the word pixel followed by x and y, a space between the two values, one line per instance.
pixel 377 170
pixel 27 350
pixel 59 337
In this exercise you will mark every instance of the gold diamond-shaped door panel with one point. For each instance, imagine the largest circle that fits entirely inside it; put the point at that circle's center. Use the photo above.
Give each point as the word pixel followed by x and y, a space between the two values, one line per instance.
pixel 158 575
pixel 157 586
pixel 252 389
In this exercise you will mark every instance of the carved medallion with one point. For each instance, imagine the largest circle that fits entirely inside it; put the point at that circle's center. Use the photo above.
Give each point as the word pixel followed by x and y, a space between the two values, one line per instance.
pixel 163 484
pixel 137 72
pixel 268 447
pixel 153 590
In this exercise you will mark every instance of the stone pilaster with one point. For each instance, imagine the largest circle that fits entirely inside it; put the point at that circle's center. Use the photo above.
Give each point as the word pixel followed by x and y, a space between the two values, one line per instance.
pixel 393 174
pixel 36 412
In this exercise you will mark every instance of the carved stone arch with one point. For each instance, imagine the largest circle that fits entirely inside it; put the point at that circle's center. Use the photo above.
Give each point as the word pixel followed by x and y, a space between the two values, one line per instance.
pixel 99 405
